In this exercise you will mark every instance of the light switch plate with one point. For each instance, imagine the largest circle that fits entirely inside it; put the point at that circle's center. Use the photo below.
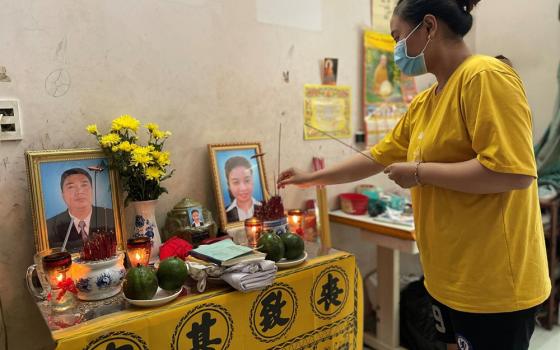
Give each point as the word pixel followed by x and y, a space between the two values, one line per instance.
pixel 10 124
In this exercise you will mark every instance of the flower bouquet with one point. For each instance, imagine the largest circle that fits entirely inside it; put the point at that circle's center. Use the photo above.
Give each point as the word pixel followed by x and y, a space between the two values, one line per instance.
pixel 141 168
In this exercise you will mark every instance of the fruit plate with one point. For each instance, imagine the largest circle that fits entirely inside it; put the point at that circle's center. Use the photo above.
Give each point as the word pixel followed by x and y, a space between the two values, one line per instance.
pixel 161 297
pixel 285 264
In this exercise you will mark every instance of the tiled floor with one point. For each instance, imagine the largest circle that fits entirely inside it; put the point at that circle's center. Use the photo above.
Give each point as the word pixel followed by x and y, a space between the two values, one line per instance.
pixel 541 340
pixel 545 340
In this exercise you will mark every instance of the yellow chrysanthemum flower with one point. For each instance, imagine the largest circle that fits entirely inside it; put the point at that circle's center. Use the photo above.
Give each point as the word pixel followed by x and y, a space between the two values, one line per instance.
pixel 156 154
pixel 163 159
pixel 151 127
pixel 158 134
pixel 140 159
pixel 125 146
pixel 141 156
pixel 154 173
pixel 109 140
pixel 114 149
pixel 125 121
pixel 92 129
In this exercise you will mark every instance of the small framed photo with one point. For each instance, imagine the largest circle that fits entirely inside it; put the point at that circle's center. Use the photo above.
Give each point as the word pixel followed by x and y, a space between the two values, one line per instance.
pixel 73 194
pixel 239 181
pixel 330 71
pixel 196 218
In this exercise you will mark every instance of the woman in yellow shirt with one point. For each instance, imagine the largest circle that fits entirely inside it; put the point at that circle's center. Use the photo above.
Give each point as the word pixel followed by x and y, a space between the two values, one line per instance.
pixel 465 149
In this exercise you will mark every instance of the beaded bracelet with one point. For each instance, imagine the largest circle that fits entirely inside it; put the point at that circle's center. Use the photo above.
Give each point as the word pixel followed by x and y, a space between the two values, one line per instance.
pixel 416 175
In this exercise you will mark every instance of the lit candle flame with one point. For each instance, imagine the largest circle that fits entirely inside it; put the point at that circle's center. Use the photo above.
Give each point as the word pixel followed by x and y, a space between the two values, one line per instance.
pixel 59 277
pixel 138 257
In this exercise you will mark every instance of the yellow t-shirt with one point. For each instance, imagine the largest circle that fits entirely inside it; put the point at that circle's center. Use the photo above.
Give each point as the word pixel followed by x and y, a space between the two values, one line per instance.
pixel 480 253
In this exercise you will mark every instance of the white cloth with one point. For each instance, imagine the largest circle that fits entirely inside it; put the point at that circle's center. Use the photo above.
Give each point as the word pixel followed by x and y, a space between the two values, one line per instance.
pixel 247 277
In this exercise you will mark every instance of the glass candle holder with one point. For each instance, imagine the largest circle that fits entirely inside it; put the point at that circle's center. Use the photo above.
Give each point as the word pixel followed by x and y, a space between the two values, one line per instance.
pixel 138 251
pixel 57 269
pixel 253 230
pixel 295 220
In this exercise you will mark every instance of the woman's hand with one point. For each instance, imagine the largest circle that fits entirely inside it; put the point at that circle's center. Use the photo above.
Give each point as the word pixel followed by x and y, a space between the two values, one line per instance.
pixel 402 174
pixel 296 177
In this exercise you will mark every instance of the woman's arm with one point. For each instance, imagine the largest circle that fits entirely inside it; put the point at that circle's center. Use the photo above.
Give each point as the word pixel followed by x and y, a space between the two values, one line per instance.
pixel 469 177
pixel 354 168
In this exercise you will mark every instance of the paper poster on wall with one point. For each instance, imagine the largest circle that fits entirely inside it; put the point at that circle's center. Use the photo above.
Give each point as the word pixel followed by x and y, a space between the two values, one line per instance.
pixel 327 108
pixel 381 12
pixel 386 91
pixel 291 13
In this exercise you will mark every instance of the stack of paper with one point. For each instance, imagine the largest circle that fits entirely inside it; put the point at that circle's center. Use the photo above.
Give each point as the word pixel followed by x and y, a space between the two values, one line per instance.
pixel 226 253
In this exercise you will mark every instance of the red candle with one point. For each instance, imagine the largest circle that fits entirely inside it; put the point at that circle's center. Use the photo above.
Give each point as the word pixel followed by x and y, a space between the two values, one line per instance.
pixel 138 251
pixel 57 267
pixel 253 230
pixel 295 220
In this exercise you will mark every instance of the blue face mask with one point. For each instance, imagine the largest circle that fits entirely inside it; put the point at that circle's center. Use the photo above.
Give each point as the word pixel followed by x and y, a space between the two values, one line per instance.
pixel 411 66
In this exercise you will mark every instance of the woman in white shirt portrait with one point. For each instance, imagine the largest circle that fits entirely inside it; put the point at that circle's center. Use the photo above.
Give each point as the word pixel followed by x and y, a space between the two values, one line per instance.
pixel 239 175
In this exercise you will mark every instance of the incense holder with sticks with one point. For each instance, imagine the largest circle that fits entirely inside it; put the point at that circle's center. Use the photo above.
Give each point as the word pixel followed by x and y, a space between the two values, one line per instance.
pixel 99 272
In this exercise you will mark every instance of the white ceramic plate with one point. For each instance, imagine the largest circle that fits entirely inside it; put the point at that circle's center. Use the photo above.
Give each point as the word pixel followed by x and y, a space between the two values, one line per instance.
pixel 162 297
pixel 284 264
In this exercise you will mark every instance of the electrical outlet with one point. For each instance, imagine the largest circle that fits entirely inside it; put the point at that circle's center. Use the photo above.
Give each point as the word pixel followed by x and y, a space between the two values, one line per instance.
pixel 10 125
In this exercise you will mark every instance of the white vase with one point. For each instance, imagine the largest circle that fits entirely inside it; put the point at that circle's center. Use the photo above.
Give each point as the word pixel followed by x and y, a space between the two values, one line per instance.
pixel 145 225
pixel 278 226
pixel 96 280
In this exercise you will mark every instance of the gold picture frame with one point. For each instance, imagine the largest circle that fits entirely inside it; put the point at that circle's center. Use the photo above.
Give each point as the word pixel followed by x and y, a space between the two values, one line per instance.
pixel 230 215
pixel 47 171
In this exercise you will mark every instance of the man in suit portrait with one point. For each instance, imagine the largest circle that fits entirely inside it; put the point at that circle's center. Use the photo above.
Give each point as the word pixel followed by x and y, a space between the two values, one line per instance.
pixel 81 216
pixel 196 222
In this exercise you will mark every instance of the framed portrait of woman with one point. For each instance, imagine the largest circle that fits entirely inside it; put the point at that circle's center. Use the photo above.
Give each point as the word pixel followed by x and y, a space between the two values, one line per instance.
pixel 74 194
pixel 239 181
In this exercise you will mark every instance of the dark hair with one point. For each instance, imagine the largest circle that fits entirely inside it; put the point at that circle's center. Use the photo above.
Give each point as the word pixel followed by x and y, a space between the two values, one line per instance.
pixel 455 13
pixel 234 162
pixel 73 171
pixel 194 211
pixel 504 59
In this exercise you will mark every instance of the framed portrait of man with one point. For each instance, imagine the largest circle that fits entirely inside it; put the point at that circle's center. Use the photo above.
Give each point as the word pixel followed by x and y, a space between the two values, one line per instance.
pixel 239 181
pixel 74 195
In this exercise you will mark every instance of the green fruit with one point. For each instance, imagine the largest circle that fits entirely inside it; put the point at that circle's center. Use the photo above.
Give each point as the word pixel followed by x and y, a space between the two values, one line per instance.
pixel 271 244
pixel 140 283
pixel 172 273
pixel 293 245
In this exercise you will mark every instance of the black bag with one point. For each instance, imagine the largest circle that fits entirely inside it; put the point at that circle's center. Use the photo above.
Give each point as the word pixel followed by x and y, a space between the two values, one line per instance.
pixel 418 331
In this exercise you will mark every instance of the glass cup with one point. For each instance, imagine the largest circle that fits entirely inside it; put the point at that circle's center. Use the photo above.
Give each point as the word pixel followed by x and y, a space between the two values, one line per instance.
pixel 38 270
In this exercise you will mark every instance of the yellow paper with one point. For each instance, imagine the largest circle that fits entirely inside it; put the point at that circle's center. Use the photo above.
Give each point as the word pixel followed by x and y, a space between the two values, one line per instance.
pixel 327 108
pixel 317 305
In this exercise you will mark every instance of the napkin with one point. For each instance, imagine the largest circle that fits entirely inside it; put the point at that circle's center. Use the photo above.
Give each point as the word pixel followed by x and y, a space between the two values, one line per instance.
pixel 251 276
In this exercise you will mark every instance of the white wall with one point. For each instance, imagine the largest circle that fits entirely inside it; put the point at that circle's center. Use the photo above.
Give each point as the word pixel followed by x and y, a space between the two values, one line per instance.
pixel 527 32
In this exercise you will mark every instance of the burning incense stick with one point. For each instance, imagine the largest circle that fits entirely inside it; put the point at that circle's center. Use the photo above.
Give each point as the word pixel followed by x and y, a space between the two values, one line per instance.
pixel 344 143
